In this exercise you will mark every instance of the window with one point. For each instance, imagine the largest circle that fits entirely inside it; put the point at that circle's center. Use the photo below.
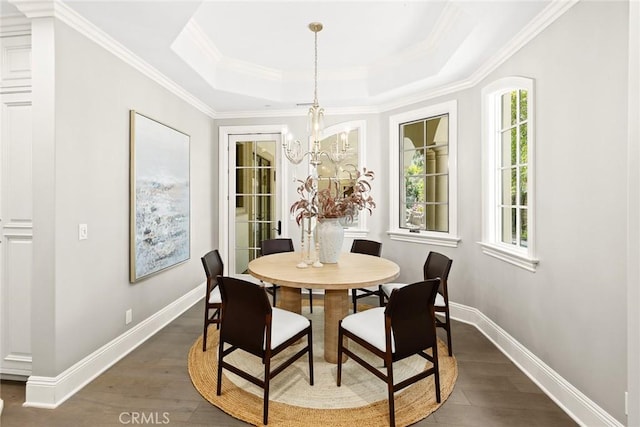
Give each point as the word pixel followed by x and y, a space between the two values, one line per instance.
pixel 423 175
pixel 508 147
pixel 334 137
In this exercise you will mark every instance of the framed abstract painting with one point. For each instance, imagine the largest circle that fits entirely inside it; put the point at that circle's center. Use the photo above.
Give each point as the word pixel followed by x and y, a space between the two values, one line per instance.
pixel 159 197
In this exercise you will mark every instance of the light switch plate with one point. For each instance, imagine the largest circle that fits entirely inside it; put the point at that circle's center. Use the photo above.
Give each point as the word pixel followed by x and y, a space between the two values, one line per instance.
pixel 83 232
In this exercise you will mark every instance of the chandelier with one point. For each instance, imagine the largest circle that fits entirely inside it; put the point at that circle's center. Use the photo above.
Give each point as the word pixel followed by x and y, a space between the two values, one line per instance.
pixel 293 149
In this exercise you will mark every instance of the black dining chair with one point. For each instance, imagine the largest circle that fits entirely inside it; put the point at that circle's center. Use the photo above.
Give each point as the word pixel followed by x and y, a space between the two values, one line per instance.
pixel 249 323
pixel 405 327
pixel 213 267
pixel 436 265
pixel 275 246
pixel 366 247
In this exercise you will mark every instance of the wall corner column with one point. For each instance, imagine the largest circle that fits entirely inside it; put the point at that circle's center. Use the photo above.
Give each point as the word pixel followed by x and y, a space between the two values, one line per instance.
pixel 633 220
pixel 43 320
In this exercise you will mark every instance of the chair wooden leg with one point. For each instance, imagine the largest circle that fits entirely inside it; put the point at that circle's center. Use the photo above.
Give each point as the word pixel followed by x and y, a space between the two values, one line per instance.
pixel 311 300
pixel 204 333
pixel 381 295
pixel 267 374
pixel 220 357
pixel 273 288
pixel 354 299
pixel 340 338
pixel 448 328
pixel 436 373
pixel 310 354
pixel 392 410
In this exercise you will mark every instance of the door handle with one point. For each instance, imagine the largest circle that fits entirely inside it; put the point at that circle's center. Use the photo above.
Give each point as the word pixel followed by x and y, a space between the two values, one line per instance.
pixel 279 228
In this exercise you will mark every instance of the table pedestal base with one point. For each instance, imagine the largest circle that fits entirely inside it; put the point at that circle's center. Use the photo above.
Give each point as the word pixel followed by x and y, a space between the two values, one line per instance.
pixel 291 299
pixel 336 308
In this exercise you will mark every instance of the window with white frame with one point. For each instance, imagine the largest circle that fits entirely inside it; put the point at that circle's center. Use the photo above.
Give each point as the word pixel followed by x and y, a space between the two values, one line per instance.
pixel 334 137
pixel 508 167
pixel 423 175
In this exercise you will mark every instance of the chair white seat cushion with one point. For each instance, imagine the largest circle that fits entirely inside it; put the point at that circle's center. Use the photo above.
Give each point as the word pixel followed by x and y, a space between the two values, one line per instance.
pixel 214 296
pixel 284 325
pixel 387 288
pixel 369 325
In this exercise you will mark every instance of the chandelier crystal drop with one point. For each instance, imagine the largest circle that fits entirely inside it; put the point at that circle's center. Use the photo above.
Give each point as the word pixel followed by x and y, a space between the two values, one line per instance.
pixel 293 149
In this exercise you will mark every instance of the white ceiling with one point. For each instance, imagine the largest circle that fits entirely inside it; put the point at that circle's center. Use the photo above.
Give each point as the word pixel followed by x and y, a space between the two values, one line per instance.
pixel 239 56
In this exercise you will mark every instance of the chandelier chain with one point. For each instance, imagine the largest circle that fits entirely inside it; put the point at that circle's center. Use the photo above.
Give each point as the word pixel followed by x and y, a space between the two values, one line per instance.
pixel 315 76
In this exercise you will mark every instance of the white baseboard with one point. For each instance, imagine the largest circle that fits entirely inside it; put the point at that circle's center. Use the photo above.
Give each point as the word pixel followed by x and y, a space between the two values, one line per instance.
pixel 49 392
pixel 578 406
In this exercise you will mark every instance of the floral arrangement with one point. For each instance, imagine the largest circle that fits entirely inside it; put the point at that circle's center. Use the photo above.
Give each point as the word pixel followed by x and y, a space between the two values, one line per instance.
pixel 331 202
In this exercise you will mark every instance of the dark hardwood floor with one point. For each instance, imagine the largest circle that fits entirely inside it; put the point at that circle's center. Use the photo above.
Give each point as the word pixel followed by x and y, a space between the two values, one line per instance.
pixel 151 384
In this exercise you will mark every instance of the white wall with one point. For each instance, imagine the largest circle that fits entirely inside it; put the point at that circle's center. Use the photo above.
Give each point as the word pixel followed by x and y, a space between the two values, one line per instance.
pixel 571 312
pixel 88 175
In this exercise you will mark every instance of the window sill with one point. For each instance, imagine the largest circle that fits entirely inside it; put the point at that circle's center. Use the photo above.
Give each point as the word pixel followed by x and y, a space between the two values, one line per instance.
pixel 510 256
pixel 424 238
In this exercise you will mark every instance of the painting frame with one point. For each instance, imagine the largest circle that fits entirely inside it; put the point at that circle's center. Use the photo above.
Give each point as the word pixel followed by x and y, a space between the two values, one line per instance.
pixel 160 197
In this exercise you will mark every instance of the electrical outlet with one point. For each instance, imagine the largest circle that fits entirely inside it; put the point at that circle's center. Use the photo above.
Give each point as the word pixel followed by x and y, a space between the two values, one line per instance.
pixel 83 232
pixel 128 316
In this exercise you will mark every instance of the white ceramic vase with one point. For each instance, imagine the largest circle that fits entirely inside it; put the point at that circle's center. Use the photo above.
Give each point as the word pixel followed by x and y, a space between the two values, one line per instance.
pixel 330 235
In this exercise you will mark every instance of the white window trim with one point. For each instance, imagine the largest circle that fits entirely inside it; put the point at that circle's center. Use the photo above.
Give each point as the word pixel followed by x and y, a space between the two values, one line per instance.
pixel 520 257
pixel 451 238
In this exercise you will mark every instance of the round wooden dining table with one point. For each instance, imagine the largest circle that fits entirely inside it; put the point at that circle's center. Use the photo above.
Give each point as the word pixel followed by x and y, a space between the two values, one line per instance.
pixel 351 271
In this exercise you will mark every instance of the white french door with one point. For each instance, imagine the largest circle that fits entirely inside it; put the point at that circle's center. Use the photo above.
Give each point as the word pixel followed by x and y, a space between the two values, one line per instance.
pixel 254 202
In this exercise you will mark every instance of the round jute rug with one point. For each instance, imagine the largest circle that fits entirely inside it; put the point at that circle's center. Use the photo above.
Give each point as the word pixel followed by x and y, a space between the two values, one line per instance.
pixel 360 400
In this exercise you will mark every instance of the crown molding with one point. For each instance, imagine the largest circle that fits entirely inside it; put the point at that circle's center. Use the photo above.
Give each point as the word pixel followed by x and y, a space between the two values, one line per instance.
pixel 389 101
pixel 547 16
pixel 86 28
pixel 299 112
pixel 36 8
pixel 14 25
pixel 44 8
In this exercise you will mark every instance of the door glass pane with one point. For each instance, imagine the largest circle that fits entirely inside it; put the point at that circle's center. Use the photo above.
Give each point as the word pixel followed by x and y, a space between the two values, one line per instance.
pixel 255 213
